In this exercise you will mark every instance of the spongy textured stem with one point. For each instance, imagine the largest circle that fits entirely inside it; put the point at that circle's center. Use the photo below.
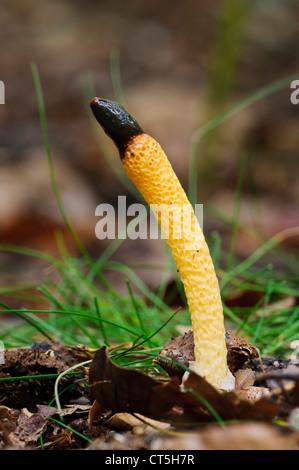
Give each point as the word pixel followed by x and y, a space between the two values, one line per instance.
pixel 148 167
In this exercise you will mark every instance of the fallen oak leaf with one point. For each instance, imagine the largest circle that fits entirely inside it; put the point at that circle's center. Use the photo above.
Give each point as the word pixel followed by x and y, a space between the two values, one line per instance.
pixel 230 406
pixel 117 389
pixel 122 390
pixel 189 407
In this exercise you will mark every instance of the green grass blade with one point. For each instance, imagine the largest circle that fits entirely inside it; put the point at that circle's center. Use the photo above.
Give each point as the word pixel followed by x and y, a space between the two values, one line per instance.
pixel 262 316
pixel 102 327
pixel 25 316
pixel 136 309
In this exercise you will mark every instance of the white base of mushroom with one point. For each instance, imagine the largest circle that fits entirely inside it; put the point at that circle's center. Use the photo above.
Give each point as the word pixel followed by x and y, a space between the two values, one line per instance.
pixel 227 384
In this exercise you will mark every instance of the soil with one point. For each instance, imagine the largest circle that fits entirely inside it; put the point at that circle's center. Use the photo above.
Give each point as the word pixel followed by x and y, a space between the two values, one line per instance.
pixel 107 407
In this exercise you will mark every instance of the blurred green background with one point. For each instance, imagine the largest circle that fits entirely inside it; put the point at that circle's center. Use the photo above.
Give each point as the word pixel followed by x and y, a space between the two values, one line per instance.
pixel 181 63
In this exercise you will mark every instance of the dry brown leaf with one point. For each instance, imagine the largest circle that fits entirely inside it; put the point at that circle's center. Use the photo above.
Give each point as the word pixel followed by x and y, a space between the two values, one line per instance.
pixel 229 405
pixel 244 388
pixel 71 409
pixel 28 429
pixel 121 390
pixel 245 378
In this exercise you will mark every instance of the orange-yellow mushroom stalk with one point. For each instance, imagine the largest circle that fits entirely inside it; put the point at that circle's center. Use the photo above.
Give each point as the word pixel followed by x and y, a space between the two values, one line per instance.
pixel 149 169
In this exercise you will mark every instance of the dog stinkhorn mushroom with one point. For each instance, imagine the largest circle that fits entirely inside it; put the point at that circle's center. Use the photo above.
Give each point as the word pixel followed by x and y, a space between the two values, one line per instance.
pixel 149 169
